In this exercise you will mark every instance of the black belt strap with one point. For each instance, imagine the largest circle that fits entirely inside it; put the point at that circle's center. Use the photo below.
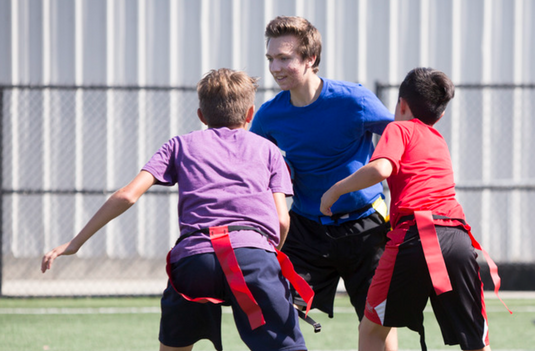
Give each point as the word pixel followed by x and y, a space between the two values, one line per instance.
pixel 422 338
pixel 336 217
pixel 411 217
pixel 303 316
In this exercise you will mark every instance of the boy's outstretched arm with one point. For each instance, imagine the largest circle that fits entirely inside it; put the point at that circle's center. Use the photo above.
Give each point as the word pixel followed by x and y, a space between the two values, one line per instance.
pixel 284 217
pixel 116 205
pixel 372 173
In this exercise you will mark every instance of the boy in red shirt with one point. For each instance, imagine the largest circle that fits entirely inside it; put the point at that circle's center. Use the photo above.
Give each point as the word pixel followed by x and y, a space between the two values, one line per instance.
pixel 431 252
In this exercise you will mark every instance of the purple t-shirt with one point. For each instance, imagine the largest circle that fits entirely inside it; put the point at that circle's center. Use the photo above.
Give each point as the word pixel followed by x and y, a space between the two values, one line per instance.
pixel 225 177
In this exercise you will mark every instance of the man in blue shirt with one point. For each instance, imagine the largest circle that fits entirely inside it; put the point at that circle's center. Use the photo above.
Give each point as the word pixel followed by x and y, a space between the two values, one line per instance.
pixel 325 129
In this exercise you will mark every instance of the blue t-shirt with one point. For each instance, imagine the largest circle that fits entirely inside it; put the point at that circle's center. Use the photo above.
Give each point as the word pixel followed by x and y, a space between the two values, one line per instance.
pixel 325 142
pixel 225 177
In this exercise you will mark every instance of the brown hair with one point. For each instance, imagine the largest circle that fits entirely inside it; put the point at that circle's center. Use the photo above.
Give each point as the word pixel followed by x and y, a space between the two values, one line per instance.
pixel 427 92
pixel 225 96
pixel 309 37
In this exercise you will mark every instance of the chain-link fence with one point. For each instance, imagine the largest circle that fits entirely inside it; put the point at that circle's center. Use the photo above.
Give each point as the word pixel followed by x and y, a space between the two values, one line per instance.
pixel 66 149
pixel 489 130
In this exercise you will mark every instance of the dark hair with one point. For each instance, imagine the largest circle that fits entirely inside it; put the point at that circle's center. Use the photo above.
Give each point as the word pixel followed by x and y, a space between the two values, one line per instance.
pixel 309 37
pixel 225 96
pixel 427 92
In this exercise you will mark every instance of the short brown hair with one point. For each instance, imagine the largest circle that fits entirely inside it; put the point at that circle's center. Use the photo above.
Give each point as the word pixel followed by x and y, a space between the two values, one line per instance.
pixel 309 37
pixel 225 96
pixel 427 92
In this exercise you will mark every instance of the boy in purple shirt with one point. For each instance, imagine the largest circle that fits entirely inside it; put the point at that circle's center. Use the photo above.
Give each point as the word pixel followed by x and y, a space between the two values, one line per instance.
pixel 232 213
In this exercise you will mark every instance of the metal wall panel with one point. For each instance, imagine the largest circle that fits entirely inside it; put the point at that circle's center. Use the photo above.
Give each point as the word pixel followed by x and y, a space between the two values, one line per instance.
pixel 164 42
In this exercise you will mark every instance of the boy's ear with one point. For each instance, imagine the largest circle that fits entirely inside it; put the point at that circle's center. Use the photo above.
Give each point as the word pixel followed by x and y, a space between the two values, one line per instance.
pixel 201 117
pixel 250 114
pixel 442 115
pixel 404 108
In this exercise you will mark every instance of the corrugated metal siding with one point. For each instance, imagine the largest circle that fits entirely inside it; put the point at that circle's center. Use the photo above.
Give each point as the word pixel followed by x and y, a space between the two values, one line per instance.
pixel 162 42
pixel 167 42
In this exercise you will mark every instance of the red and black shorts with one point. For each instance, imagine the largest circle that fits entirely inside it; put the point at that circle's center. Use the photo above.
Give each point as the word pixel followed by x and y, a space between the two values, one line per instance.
pixel 402 286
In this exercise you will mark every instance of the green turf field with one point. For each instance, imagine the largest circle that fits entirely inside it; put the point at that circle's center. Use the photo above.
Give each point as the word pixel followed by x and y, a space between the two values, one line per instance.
pixel 106 324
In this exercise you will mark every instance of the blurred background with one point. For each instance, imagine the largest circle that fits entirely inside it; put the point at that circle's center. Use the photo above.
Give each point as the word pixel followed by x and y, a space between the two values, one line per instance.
pixel 90 89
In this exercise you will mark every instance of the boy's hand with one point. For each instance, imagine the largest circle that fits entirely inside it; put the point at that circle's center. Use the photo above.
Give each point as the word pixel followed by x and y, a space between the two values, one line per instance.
pixel 48 259
pixel 327 200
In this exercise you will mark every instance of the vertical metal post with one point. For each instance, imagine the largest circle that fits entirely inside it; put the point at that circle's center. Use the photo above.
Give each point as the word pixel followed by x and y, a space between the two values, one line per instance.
pixel 378 90
pixel 1 186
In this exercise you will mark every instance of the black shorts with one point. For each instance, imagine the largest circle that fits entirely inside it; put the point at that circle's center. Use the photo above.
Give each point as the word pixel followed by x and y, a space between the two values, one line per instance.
pixel 322 254
pixel 402 287
pixel 185 322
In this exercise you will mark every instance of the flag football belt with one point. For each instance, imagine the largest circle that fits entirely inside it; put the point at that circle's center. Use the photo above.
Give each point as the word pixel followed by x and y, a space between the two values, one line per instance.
pixel 426 221
pixel 219 236
pixel 378 205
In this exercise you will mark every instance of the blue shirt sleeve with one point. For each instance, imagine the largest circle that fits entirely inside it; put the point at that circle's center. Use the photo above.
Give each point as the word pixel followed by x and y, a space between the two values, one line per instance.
pixel 376 115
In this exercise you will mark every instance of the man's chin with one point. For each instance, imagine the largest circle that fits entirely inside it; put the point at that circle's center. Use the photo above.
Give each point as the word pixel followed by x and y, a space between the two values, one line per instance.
pixel 283 87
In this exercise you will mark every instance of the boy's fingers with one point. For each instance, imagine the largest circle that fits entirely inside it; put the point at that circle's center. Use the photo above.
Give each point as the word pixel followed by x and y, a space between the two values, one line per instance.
pixel 325 207
pixel 46 263
pixel 326 211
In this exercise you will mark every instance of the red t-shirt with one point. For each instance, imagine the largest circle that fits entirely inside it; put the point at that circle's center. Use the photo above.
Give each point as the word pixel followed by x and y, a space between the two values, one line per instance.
pixel 422 176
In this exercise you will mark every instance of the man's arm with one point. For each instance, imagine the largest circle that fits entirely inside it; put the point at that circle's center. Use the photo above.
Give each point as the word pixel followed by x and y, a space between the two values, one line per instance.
pixel 116 205
pixel 370 174
pixel 377 115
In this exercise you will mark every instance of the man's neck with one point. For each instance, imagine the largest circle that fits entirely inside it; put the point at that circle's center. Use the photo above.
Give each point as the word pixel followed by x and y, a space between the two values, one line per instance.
pixel 308 92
